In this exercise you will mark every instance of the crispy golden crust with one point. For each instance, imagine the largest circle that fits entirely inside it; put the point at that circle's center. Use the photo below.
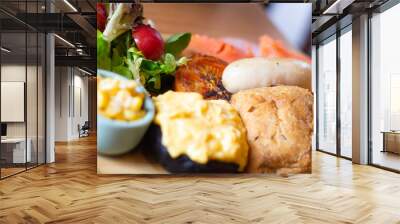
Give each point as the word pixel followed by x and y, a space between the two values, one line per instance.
pixel 202 74
pixel 279 123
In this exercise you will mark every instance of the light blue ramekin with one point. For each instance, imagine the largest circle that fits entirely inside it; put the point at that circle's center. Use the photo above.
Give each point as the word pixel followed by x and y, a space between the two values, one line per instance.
pixel 119 137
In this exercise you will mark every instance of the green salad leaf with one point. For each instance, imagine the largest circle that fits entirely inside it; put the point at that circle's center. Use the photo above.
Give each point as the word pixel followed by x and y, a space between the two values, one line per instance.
pixel 175 44
pixel 122 70
pixel 121 56
pixel 103 52
pixel 169 65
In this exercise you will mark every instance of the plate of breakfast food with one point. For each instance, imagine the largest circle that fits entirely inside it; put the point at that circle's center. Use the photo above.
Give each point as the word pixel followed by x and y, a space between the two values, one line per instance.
pixel 173 103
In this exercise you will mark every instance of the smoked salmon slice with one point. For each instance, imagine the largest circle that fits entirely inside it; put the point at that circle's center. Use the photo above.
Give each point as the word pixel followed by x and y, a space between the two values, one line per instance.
pixel 268 47
pixel 215 47
pixel 275 49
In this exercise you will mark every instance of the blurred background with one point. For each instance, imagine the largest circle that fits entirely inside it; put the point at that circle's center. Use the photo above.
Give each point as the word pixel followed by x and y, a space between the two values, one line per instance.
pixel 296 28
pixel 245 21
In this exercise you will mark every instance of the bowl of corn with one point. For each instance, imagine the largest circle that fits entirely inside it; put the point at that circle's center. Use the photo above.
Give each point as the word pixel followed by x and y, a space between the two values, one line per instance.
pixel 124 113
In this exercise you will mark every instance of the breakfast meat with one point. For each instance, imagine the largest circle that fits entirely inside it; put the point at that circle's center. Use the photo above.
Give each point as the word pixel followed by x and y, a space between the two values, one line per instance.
pixel 229 51
pixel 279 123
pixel 273 48
pixel 266 72
pixel 202 74
pixel 202 44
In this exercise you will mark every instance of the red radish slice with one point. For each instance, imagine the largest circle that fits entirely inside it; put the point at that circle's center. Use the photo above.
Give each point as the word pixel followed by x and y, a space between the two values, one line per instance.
pixel 101 16
pixel 149 41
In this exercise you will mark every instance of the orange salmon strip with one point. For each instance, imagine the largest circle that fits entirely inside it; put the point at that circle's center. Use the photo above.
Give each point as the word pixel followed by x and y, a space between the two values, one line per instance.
pixel 217 48
pixel 269 47
pixel 275 48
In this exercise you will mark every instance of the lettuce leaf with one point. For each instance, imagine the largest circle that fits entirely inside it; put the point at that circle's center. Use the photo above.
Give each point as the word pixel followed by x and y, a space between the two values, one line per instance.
pixel 103 52
pixel 121 56
pixel 176 43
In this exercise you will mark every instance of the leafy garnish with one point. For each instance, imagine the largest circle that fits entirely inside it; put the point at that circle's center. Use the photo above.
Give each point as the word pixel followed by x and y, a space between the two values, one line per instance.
pixel 122 56
pixel 169 65
pixel 121 20
pixel 103 52
pixel 175 44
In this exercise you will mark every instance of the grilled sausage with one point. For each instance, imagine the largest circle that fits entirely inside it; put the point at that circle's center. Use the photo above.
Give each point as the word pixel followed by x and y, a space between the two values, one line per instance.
pixel 252 73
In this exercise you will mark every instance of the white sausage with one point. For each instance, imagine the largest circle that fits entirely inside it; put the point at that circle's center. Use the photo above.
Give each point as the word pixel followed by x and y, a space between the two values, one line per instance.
pixel 250 73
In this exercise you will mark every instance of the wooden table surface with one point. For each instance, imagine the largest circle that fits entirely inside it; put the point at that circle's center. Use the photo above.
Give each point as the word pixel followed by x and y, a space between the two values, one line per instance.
pixel 70 191
pixel 246 21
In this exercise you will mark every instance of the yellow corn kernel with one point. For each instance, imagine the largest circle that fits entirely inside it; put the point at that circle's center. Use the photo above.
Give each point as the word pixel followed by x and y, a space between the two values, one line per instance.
pixel 120 116
pixel 134 104
pixel 102 100
pixel 113 109
pixel 119 100
pixel 109 86
pixel 122 96
pixel 133 115
pixel 128 85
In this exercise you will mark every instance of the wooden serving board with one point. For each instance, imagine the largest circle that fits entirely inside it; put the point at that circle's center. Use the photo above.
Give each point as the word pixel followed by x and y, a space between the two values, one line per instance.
pixel 132 163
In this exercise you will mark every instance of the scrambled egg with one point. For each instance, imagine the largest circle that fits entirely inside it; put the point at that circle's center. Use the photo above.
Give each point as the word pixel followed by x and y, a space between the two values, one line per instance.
pixel 201 129
pixel 118 99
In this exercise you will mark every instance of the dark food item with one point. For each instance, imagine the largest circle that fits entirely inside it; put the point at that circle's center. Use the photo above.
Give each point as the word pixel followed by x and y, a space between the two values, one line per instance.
pixel 202 74
pixel 154 149
pixel 167 83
